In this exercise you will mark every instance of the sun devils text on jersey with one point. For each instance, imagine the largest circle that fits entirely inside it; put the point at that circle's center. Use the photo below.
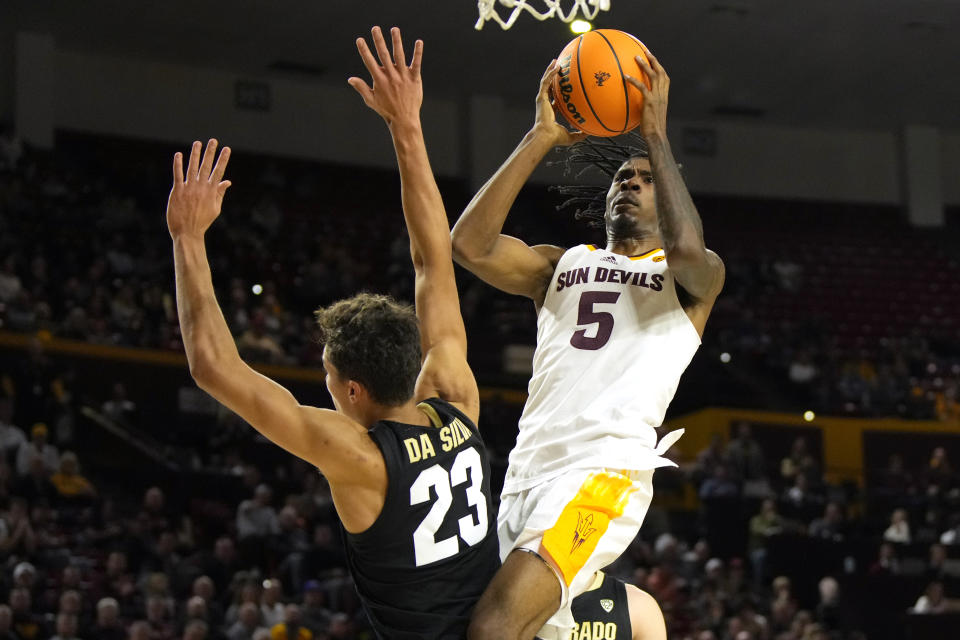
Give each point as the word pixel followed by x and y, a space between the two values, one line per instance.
pixel 612 343
pixel 421 567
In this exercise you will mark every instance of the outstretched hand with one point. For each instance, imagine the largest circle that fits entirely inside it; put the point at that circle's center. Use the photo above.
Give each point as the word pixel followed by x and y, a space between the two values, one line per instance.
pixel 546 115
pixel 397 90
pixel 654 120
pixel 195 199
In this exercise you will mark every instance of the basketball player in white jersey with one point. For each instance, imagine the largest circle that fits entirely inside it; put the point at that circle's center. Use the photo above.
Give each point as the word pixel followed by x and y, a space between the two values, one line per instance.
pixel 616 327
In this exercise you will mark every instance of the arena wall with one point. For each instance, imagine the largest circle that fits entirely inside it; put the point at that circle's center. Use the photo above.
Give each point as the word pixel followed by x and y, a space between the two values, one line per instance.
pixel 168 102
pixel 6 69
pixel 317 120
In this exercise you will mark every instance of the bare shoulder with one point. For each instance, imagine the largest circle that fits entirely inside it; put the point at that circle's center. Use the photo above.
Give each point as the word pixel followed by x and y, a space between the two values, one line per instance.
pixel 513 266
pixel 341 447
pixel 640 598
pixel 719 269
pixel 646 618
pixel 551 255
pixel 551 252
pixel 325 419
pixel 446 374
pixel 715 259
pixel 698 308
pixel 719 274
pixel 348 457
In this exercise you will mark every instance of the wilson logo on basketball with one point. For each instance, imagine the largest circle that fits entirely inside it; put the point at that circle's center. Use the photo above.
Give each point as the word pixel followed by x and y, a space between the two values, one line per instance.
pixel 563 76
pixel 590 83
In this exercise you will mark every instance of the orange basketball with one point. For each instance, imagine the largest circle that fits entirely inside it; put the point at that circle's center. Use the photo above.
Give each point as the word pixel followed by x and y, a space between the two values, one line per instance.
pixel 590 90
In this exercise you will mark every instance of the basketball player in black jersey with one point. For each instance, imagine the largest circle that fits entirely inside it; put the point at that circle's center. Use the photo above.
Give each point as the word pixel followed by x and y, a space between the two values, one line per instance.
pixel 612 609
pixel 407 467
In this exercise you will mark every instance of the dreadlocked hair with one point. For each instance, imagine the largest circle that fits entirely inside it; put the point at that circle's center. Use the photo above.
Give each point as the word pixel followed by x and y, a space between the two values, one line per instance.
pixel 595 154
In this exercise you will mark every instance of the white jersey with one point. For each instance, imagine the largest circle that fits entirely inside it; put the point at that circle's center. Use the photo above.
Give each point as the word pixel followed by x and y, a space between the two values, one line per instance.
pixel 612 343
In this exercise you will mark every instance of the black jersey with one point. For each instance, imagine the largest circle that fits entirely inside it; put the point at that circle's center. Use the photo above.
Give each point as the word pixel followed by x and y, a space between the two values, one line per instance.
pixel 422 565
pixel 602 613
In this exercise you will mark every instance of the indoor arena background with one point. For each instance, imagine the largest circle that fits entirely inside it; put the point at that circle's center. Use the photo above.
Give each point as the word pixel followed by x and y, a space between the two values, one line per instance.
pixel 816 495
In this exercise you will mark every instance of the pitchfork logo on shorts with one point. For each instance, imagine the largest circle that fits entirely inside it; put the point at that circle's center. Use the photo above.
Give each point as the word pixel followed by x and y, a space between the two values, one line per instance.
pixel 601 77
pixel 607 604
pixel 585 529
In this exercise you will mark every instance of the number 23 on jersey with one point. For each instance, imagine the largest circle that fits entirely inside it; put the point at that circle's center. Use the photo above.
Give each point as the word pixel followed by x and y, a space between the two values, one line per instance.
pixel 472 526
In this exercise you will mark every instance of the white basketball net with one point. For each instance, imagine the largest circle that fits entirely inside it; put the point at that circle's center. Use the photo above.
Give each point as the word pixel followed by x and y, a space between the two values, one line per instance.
pixel 588 10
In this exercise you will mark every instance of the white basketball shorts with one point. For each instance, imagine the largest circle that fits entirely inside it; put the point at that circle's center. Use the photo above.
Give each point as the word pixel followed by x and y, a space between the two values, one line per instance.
pixel 582 521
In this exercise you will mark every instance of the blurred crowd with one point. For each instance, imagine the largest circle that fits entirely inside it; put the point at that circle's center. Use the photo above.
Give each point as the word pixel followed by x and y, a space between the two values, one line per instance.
pixel 775 553
pixel 84 254
pixel 77 565
pixel 769 518
pixel 821 324
pixel 83 555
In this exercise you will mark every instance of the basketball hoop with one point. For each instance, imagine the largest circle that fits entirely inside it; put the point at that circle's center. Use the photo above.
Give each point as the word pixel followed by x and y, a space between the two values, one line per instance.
pixel 587 8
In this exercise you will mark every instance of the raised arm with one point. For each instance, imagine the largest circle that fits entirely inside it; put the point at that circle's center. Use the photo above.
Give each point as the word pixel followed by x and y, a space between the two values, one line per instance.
pixel 503 261
pixel 396 95
pixel 698 270
pixel 338 446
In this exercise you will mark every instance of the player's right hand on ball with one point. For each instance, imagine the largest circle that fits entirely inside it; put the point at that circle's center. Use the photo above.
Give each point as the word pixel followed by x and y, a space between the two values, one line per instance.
pixel 546 121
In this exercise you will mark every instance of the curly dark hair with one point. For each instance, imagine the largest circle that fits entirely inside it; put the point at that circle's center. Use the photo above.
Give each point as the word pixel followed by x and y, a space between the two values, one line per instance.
pixel 374 340
pixel 595 154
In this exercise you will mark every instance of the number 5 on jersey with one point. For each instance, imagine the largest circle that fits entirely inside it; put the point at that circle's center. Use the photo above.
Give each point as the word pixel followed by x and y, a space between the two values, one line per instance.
pixel 587 315
pixel 426 547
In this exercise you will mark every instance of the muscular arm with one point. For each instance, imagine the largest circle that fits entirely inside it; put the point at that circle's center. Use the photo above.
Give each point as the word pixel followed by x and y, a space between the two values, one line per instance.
pixel 445 371
pixel 396 96
pixel 338 446
pixel 503 261
pixel 699 271
pixel 478 244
